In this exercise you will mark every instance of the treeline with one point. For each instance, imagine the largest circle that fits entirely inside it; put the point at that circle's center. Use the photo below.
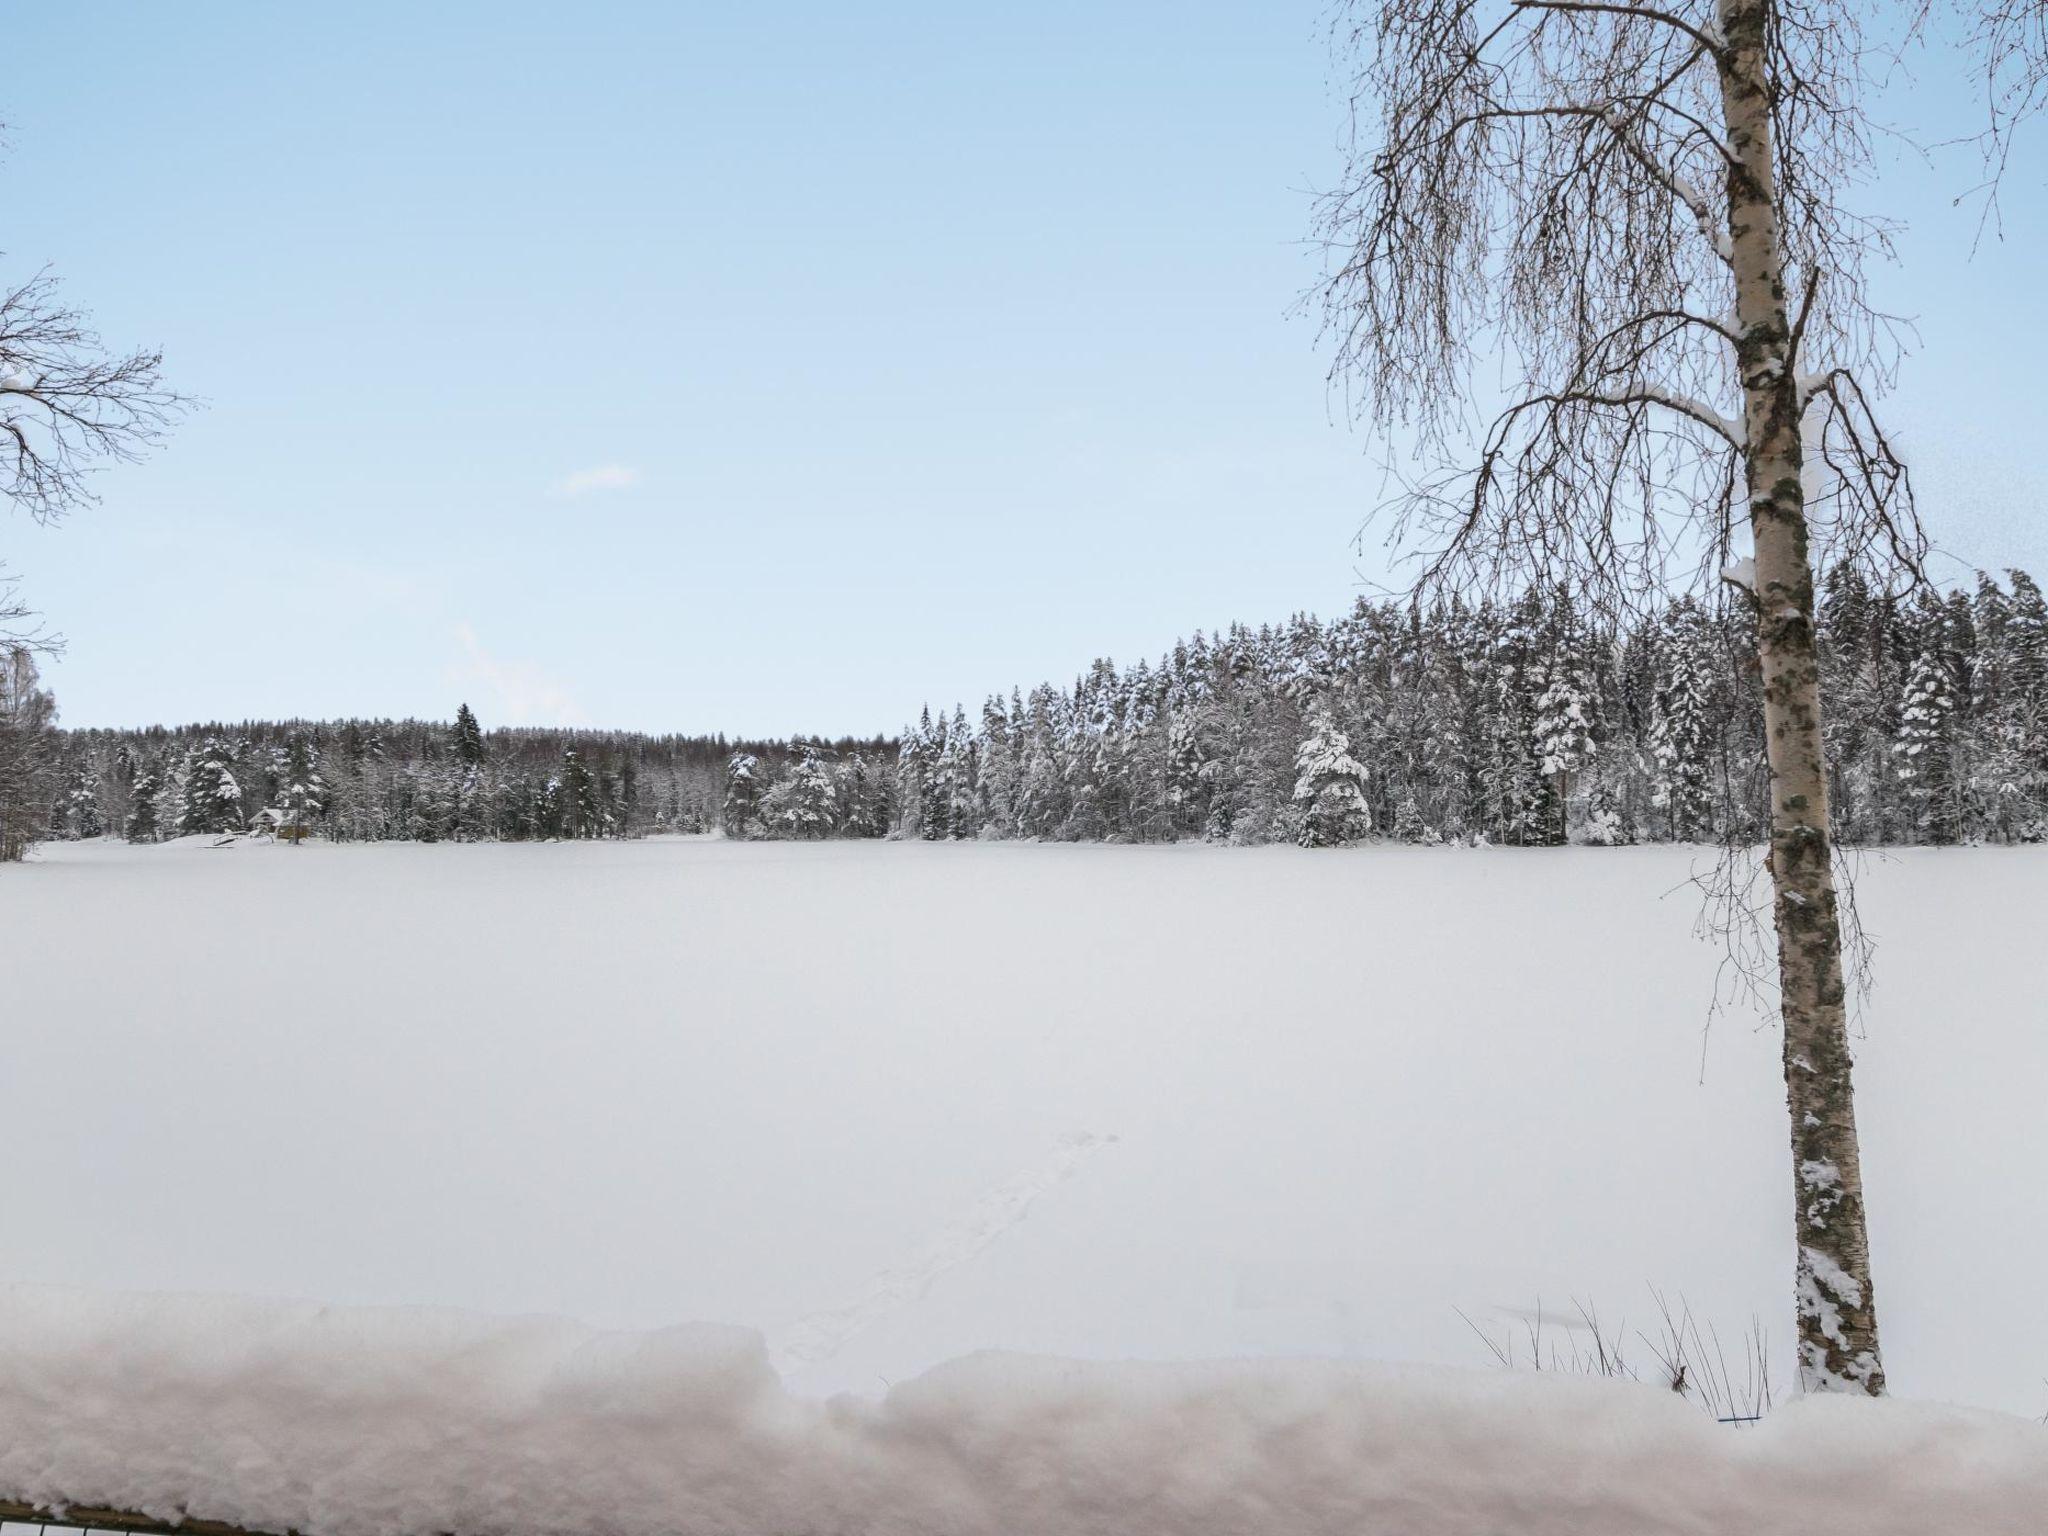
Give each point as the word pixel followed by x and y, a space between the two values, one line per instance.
pixel 358 780
pixel 1529 722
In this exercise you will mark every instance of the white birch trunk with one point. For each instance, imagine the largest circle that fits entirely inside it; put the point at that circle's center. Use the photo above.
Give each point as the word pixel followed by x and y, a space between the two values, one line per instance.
pixel 1838 1343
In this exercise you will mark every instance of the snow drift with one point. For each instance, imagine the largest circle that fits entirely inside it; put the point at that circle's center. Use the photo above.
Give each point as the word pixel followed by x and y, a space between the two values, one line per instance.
pixel 392 1422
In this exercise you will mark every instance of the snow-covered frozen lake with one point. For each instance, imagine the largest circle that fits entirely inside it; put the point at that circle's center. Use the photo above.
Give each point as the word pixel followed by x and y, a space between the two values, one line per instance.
pixel 845 1093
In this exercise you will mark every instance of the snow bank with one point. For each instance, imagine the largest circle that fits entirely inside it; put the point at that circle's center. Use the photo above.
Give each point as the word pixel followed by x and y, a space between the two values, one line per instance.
pixel 387 1422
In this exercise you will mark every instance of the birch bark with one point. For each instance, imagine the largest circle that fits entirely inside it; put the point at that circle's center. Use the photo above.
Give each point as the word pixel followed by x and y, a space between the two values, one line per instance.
pixel 1838 1342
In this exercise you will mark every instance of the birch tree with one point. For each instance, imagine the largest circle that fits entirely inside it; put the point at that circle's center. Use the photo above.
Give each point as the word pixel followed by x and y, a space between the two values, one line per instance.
pixel 1632 214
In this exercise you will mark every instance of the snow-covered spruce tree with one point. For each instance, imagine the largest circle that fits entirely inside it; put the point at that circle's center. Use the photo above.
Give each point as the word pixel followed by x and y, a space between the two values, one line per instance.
pixel 1040 797
pixel 955 780
pixel 2019 710
pixel 1564 731
pixel 995 784
pixel 1607 819
pixel 468 737
pixel 1681 732
pixel 145 823
pixel 857 789
pixel 1923 756
pixel 82 816
pixel 1186 787
pixel 213 794
pixel 801 804
pixel 1852 677
pixel 740 816
pixel 934 820
pixel 302 797
pixel 583 812
pixel 911 772
pixel 1637 206
pixel 1329 786
pixel 1511 781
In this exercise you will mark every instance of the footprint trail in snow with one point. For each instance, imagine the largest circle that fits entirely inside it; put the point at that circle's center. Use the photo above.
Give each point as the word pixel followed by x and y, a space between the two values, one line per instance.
pixel 821 1335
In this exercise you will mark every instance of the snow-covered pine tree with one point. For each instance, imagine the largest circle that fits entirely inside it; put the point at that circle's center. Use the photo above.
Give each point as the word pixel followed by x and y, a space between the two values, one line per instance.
pixel 1329 786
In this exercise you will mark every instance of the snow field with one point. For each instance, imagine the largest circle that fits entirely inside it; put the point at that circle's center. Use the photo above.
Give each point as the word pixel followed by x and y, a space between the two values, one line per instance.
pixel 833 1092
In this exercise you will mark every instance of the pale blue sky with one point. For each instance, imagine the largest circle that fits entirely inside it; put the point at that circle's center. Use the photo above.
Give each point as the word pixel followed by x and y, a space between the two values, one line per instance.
pixel 757 368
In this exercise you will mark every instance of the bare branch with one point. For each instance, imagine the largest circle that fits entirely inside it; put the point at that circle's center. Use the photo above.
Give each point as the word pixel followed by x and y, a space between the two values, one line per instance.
pixel 1707 37
pixel 67 406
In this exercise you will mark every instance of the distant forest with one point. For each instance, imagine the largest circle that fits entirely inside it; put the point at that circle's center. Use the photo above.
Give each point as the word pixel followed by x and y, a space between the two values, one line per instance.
pixel 1527 722
pixel 407 780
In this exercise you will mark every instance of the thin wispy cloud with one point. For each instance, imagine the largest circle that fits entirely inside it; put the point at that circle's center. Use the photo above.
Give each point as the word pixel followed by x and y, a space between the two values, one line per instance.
pixel 602 477
pixel 524 693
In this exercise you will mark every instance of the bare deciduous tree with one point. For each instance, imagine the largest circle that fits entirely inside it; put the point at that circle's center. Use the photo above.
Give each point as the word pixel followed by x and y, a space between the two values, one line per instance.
pixel 2010 38
pixel 66 404
pixel 1634 211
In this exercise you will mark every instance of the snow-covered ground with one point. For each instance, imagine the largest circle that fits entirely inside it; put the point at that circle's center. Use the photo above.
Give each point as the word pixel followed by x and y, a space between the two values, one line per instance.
pixel 361 1422
pixel 892 1104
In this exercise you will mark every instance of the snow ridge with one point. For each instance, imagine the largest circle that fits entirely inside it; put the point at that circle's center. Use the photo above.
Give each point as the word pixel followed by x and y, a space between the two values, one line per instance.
pixel 390 1422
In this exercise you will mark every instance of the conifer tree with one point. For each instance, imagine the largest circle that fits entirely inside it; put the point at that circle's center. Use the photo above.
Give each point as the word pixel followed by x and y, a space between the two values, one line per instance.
pixel 82 808
pixel 213 795
pixel 858 791
pixel 303 795
pixel 27 753
pixel 1564 730
pixel 801 805
pixel 955 780
pixel 469 738
pixel 582 811
pixel 1329 786
pixel 1923 756
pixel 1185 768
pixel 935 798
pixel 144 815
pixel 742 794
pixel 996 780
pixel 1680 731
